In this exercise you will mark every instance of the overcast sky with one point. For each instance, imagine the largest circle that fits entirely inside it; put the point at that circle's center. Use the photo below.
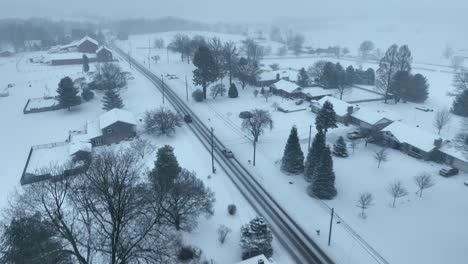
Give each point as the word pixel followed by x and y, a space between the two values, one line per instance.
pixel 238 10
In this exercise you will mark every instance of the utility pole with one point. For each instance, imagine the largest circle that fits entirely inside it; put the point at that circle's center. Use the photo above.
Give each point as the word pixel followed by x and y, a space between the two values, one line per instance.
pixel 149 53
pixel 167 53
pixel 163 88
pixel 331 225
pixel 255 150
pixel 212 152
pixel 186 87
pixel 310 135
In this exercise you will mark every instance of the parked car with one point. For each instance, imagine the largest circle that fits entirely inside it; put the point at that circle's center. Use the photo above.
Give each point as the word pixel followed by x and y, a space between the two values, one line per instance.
pixel 299 102
pixel 227 153
pixel 447 172
pixel 355 135
pixel 188 119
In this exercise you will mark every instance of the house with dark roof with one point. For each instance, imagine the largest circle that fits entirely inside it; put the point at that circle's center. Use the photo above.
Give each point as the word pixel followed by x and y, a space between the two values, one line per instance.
pixel 84 45
pixel 104 54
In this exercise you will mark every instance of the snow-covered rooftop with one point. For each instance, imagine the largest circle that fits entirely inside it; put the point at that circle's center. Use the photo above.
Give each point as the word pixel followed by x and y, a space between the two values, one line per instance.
pixel 255 260
pixel 76 43
pixel 340 107
pixel 116 115
pixel 267 75
pixel 87 38
pixel 286 86
pixel 412 135
pixel 450 150
pixel 80 146
pixel 316 91
pixel 372 116
pixel 103 48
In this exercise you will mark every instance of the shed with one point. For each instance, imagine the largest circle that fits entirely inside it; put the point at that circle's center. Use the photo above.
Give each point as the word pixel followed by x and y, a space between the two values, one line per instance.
pixel 117 125
pixel 104 54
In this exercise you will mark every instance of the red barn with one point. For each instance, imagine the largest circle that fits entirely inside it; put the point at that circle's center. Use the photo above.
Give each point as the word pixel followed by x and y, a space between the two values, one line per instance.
pixel 104 54
pixel 87 45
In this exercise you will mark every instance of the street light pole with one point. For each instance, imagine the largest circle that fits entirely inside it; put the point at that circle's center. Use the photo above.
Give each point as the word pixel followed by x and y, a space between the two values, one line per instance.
pixel 186 87
pixel 310 135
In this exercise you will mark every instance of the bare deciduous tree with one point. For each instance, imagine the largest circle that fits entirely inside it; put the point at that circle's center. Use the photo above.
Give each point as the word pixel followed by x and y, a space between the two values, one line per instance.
pixel 223 232
pixel 266 95
pixel 256 125
pixel 316 70
pixel 159 43
pixel 162 121
pixel 381 156
pixel 364 202
pixel 396 190
pixel 442 119
pixel 142 147
pixel 184 200
pixel 460 82
pixel 109 76
pixel 423 181
pixel 217 89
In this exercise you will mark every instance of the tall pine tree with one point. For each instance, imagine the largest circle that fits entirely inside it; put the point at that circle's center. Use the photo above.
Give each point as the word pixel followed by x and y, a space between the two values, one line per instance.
pixel 112 100
pixel 419 89
pixel 339 148
pixel 326 118
pixel 303 79
pixel 256 238
pixel 233 93
pixel 207 70
pixel 166 167
pixel 293 157
pixel 401 85
pixel 313 157
pixel 67 93
pixel 323 183
pixel 85 63
pixel 460 105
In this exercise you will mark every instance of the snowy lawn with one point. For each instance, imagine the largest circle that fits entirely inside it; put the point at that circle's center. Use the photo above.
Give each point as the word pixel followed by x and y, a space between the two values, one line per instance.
pixel 398 234
pixel 35 80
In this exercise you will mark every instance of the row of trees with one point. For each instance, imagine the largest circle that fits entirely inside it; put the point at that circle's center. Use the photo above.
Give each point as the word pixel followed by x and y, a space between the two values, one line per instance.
pixel 318 166
pixel 110 213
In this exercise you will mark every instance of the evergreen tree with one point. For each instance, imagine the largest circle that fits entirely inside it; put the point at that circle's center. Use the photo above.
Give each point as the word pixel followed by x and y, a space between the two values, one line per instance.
pixel 207 71
pixel 313 157
pixel 31 240
pixel 419 89
pixel 112 100
pixel 233 93
pixel 323 184
pixel 303 79
pixel 256 238
pixel 339 148
pixel 328 78
pixel 460 104
pixel 293 157
pixel 166 167
pixel 67 93
pixel 326 117
pixel 87 94
pixel 349 76
pixel 85 63
pixel 401 85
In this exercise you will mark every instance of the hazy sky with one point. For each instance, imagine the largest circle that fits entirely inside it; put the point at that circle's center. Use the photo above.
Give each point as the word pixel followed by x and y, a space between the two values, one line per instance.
pixel 237 10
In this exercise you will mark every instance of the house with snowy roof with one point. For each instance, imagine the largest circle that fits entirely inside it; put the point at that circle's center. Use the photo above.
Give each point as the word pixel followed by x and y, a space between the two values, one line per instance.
pixel 111 127
pixel 342 109
pixel 291 90
pixel 104 54
pixel 371 120
pixel 411 140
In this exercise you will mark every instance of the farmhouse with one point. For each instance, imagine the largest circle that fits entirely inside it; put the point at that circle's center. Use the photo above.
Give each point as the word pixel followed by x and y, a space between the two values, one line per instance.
pixel 112 127
pixel 412 140
pixel 291 90
pixel 342 109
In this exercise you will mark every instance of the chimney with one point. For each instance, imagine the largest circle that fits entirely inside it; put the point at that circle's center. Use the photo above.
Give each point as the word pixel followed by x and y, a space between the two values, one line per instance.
pixel 260 261
pixel 350 110
pixel 438 143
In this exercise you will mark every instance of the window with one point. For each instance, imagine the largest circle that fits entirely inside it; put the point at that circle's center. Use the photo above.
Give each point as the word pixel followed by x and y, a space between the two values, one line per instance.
pixel 98 141
pixel 110 131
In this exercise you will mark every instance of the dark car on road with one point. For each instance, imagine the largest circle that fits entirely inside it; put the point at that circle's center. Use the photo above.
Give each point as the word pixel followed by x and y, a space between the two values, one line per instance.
pixel 227 153
pixel 188 119
pixel 447 172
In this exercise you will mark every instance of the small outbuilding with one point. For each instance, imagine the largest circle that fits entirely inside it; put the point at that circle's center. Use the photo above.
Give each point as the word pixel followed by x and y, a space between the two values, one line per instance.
pixel 104 54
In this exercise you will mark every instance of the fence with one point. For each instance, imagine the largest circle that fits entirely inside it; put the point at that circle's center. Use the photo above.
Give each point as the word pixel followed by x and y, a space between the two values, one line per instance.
pixel 27 110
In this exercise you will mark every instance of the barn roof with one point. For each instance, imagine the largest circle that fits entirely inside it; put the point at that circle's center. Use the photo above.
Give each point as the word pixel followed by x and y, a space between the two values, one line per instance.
pixel 87 38
pixel 103 48
pixel 116 115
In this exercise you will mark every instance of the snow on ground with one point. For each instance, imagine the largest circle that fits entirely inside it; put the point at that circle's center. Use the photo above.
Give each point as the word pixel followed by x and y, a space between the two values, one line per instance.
pixel 23 131
pixel 399 234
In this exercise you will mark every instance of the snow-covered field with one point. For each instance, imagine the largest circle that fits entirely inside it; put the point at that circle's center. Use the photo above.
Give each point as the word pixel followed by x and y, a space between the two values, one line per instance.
pixel 426 230
pixel 21 131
